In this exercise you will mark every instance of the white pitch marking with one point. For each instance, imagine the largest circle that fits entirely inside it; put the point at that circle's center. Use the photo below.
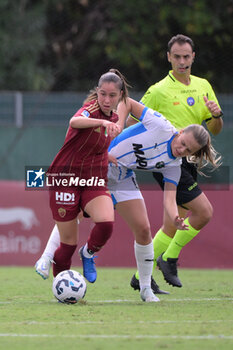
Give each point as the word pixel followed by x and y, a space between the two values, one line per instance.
pixel 113 322
pixel 184 299
pixel 119 336
pixel 118 301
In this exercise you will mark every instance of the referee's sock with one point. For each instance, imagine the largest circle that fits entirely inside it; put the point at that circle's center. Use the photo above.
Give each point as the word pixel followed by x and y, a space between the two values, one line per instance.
pixel 160 242
pixel 180 239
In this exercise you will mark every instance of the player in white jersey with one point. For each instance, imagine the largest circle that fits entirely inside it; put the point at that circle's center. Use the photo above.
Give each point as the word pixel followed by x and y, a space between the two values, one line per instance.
pixel 160 147
pixel 136 149
pixel 152 151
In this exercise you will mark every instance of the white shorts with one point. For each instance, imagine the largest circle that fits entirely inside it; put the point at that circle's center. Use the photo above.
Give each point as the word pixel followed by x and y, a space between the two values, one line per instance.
pixel 122 184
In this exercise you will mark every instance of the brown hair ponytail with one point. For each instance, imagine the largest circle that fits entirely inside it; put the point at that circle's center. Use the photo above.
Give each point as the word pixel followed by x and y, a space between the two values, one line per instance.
pixel 115 76
pixel 124 84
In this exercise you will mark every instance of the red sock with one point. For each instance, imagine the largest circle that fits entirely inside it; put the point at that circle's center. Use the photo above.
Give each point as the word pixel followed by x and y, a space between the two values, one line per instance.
pixel 101 232
pixel 62 258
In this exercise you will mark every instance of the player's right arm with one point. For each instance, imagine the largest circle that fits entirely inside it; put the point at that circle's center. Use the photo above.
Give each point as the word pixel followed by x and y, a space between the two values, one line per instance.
pixel 170 206
pixel 83 122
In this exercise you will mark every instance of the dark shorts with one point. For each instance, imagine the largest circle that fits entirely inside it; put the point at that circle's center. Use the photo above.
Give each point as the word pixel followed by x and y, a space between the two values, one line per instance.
pixel 187 189
pixel 66 203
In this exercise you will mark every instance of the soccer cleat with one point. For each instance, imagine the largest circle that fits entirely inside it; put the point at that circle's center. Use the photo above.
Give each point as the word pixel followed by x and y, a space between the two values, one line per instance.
pixel 169 270
pixel 148 296
pixel 43 267
pixel 89 269
pixel 134 283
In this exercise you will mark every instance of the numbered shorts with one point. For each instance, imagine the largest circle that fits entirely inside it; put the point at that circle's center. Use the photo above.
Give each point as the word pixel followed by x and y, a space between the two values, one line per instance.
pixel 66 203
pixel 122 184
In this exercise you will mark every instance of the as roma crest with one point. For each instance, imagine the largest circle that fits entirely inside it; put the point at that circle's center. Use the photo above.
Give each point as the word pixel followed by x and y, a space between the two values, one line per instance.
pixel 62 212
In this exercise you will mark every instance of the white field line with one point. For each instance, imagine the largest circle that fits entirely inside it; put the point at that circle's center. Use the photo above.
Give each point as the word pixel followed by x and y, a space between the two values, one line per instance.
pixel 162 299
pixel 67 323
pixel 120 336
pixel 117 300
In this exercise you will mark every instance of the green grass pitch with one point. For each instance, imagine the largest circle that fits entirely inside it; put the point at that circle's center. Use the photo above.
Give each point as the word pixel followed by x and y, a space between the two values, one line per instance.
pixel 112 316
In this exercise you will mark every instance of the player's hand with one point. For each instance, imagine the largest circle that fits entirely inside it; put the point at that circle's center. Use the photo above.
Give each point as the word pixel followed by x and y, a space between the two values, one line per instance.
pixel 120 128
pixel 112 129
pixel 112 159
pixel 212 107
pixel 180 225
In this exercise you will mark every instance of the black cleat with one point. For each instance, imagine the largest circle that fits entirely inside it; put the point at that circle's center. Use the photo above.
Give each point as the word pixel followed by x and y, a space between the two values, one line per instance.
pixel 169 270
pixel 134 283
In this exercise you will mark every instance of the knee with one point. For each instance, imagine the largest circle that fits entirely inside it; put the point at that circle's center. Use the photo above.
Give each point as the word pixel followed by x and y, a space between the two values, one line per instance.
pixel 143 234
pixel 201 216
pixel 206 213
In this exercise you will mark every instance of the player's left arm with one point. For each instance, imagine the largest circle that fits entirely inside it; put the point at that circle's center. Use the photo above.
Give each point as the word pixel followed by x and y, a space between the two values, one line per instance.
pixel 170 206
pixel 126 107
pixel 130 106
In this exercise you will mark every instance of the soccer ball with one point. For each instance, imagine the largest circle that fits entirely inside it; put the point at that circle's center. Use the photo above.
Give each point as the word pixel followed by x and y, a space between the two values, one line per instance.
pixel 69 286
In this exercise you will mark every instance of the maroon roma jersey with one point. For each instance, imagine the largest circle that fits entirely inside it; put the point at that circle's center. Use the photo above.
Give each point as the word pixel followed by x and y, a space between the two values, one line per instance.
pixel 85 151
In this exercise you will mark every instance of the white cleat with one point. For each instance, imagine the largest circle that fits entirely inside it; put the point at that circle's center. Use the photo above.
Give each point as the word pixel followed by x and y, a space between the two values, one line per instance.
pixel 43 266
pixel 148 296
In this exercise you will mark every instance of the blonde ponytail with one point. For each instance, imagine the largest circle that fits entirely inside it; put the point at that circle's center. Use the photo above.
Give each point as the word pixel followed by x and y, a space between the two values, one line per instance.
pixel 206 154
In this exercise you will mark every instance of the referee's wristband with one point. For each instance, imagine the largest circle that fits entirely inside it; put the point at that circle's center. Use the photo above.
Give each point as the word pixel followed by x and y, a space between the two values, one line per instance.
pixel 217 116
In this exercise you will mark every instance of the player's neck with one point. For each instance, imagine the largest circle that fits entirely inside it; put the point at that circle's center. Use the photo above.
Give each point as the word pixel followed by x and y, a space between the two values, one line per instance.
pixel 182 78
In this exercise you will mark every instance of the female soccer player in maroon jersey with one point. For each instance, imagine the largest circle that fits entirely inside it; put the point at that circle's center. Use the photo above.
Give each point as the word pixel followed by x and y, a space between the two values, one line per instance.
pixel 84 158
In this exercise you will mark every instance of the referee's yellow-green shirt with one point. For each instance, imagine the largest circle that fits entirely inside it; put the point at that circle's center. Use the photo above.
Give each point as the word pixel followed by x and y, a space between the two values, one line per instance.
pixel 182 105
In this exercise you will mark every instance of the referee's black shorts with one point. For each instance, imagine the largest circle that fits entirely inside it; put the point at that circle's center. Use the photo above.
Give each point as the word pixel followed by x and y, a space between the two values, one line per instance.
pixel 187 189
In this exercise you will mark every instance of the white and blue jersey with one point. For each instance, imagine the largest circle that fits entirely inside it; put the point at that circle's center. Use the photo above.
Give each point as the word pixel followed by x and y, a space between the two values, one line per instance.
pixel 146 146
